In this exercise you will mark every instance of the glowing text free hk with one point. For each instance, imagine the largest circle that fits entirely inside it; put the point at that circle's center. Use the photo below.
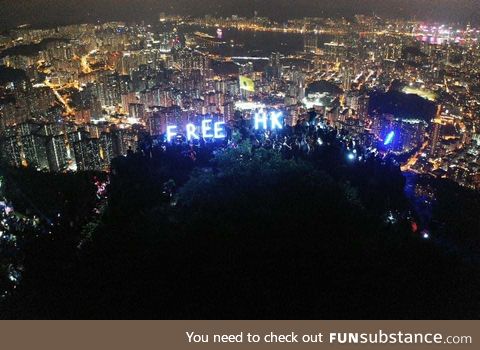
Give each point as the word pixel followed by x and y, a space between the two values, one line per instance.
pixel 216 130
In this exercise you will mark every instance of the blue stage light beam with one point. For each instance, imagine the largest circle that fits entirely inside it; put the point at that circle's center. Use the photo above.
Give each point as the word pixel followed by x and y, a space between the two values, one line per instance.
pixel 389 138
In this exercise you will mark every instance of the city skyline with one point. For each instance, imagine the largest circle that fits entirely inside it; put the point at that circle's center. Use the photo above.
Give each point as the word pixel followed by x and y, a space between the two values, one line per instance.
pixel 52 13
pixel 230 162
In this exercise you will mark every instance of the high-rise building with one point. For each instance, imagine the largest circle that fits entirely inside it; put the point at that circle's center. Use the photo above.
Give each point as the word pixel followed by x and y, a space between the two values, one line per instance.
pixel 434 138
pixel 310 43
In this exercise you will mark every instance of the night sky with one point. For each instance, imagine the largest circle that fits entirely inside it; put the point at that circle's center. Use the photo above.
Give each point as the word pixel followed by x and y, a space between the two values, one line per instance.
pixel 54 12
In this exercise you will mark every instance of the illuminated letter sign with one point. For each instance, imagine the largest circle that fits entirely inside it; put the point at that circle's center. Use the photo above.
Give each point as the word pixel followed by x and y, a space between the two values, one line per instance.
pixel 206 128
pixel 218 130
pixel 171 132
pixel 272 120
pixel 191 128
pixel 260 119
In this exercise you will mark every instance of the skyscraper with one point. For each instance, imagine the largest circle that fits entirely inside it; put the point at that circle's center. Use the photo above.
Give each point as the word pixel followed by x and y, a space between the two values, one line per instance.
pixel 310 43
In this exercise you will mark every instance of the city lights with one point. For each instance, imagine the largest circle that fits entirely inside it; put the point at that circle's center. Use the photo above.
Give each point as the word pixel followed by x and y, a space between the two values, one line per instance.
pixel 265 158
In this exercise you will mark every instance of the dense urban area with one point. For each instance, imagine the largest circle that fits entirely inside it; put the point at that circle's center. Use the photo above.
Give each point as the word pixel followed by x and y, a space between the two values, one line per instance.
pixel 240 167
